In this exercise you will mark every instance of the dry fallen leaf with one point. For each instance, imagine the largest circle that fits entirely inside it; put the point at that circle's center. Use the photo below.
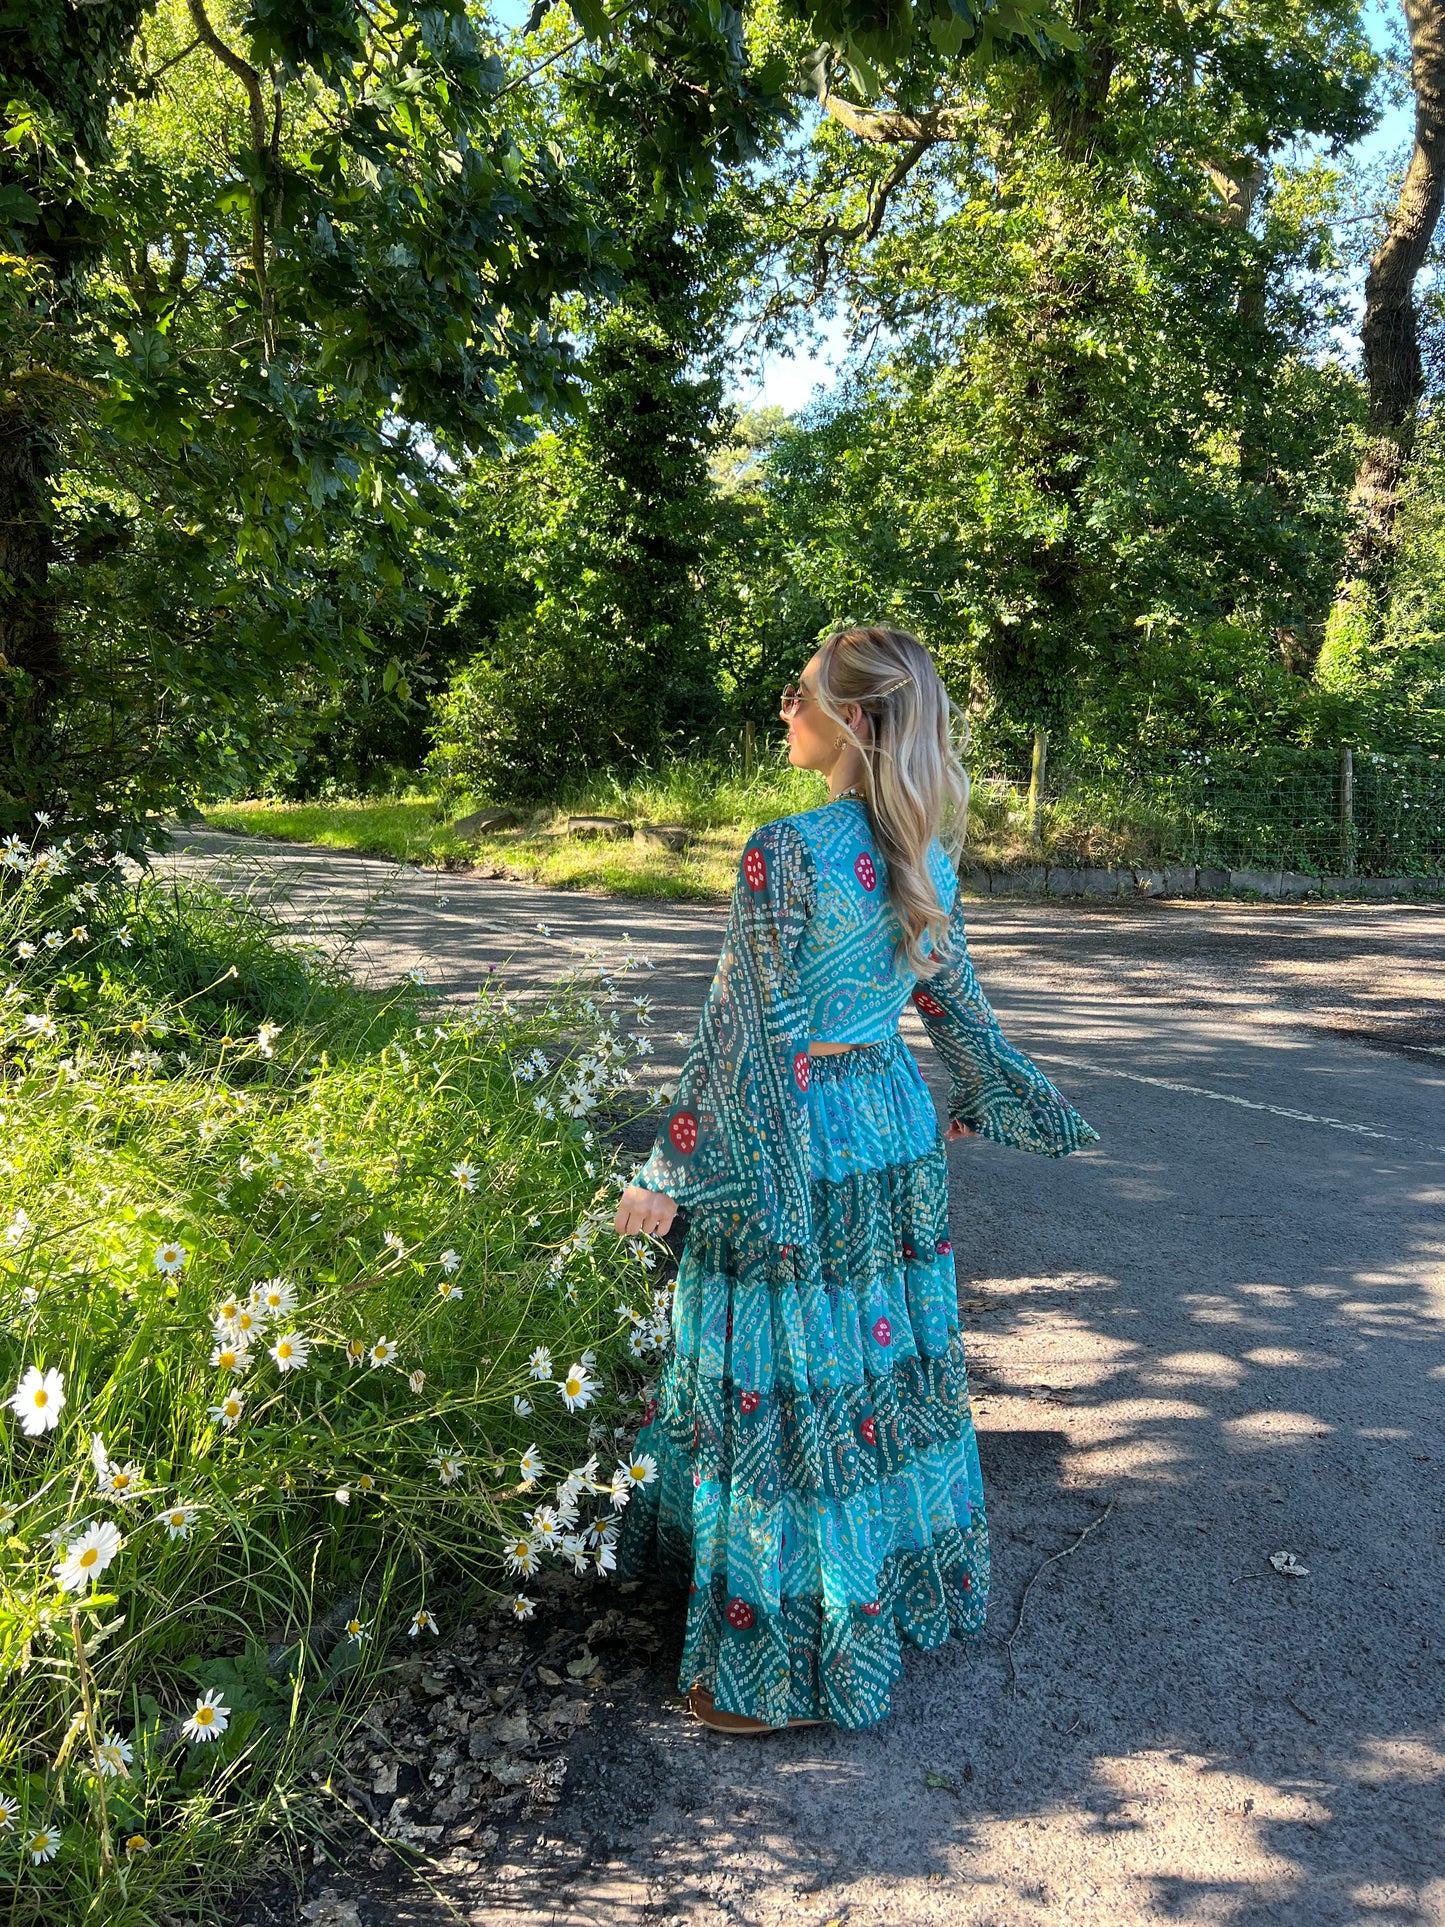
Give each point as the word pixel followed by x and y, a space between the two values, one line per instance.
pixel 1288 1563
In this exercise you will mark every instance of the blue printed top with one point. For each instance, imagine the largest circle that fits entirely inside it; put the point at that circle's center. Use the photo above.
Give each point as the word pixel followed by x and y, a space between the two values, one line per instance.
pixel 811 952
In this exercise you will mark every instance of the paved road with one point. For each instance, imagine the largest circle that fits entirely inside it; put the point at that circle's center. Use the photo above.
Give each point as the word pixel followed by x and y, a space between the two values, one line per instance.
pixel 1217 1335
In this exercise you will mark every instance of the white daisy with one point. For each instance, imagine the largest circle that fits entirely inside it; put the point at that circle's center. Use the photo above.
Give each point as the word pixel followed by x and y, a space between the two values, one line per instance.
pixel 290 1352
pixel 122 1482
pixel 248 1322
pixel 39 1024
pixel 37 1401
pixel 577 1389
pixel 113 1756
pixel 446 1289
pixel 229 1355
pixel 523 1607
pixel 449 1467
pixel 546 1527
pixel 43 1844
pixel 604 1556
pixel 356 1351
pixel 357 1630
pixel 422 1622
pixel 466 1174
pixel 522 1406
pixel 178 1520
pixel 450 1261
pixel 393 1241
pixel 531 1466
pixel 171 1259
pixel 383 1350
pixel 274 1297
pixel 620 1490
pixel 416 1380
pixel 87 1557
pixel 228 1413
pixel 642 1470
pixel 210 1719
pixel 520 1554
pixel 9 1812
pixel 266 1039
pixel 539 1365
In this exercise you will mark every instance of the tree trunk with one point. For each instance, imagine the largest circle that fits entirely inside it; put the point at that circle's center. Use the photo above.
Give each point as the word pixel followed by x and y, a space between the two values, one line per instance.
pixel 1390 332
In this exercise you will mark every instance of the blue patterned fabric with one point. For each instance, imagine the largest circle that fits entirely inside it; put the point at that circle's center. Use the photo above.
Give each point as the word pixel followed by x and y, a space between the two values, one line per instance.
pixel 819 1492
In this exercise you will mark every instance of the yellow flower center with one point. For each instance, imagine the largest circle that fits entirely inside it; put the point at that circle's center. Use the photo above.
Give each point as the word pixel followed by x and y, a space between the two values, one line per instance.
pixel 42 1397
pixel 283 1351
pixel 178 1518
pixel 89 1557
pixel 205 1715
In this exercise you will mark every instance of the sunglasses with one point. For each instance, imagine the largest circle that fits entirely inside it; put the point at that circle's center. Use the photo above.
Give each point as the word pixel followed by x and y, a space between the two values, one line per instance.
pixel 793 697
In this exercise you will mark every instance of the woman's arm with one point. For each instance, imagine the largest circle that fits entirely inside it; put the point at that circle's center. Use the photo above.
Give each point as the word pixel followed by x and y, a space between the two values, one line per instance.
pixel 735 1139
pixel 994 1090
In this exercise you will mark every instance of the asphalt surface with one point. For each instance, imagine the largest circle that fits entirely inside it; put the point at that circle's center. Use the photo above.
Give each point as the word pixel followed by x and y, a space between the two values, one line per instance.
pixel 1217 1336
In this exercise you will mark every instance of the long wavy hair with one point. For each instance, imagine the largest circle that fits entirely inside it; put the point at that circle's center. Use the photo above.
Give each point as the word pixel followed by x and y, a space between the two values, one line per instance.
pixel 914 785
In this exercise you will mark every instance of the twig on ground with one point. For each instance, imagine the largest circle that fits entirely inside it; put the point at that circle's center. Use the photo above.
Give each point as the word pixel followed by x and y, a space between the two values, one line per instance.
pixel 1300 1710
pixel 1052 1559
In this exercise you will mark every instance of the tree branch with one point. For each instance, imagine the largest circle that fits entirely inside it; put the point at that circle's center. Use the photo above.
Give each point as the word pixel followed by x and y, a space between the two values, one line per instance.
pixel 251 82
pixel 897 129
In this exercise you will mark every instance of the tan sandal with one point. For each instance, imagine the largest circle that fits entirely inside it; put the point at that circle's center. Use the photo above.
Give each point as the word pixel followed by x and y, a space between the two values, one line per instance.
pixel 700 1705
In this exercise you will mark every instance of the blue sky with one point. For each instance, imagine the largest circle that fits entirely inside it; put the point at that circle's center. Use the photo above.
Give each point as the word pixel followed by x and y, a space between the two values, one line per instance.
pixel 792 382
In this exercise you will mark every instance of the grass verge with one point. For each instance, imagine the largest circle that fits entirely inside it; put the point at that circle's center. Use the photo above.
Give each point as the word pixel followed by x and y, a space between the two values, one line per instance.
pixel 303 1290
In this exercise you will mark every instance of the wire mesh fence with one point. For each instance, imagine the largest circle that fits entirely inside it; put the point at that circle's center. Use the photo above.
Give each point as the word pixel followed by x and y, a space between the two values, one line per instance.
pixel 1319 813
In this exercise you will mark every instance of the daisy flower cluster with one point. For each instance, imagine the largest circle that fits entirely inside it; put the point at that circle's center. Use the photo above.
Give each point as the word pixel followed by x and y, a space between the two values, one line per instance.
pixel 581 1523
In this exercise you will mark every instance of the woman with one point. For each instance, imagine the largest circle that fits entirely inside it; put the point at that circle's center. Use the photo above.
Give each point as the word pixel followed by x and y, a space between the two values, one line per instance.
pixel 818 1485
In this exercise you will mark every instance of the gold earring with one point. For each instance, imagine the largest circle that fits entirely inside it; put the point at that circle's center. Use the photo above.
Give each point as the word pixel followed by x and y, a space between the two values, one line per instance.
pixel 838 742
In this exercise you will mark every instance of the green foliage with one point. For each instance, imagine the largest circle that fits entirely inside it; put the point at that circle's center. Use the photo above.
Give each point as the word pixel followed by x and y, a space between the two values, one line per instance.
pixel 192 1105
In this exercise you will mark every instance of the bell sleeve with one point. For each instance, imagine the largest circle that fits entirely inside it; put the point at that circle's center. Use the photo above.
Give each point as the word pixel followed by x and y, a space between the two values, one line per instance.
pixel 993 1088
pixel 735 1142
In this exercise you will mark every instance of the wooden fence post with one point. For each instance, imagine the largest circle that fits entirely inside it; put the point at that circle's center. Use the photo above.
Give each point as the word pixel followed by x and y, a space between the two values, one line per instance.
pixel 1347 812
pixel 750 749
pixel 1038 775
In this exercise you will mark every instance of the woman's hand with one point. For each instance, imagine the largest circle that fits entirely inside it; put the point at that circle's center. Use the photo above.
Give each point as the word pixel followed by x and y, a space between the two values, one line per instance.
pixel 957 1130
pixel 644 1211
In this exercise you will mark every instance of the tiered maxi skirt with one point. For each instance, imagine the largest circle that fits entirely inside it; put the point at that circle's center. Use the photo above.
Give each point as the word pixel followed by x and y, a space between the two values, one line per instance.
pixel 818 1490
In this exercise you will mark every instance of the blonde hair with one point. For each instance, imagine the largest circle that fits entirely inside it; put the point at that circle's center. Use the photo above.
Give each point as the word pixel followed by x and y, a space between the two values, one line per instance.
pixel 914 785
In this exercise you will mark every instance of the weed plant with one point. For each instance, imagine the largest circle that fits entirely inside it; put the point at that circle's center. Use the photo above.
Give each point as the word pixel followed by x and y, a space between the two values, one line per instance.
pixel 306 1304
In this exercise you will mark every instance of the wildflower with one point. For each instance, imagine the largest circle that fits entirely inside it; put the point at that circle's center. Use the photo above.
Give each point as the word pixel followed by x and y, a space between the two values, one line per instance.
pixel 542 1105
pixel 39 1024
pixel 121 1481
pixel 545 928
pixel 52 940
pixel 228 1356
pixel 25 950
pixel 574 1547
pixel 447 1289
pixel 43 1844
pixel 357 1630
pixel 80 934
pixel 642 1470
pixel 422 1622
pixel 342 1495
pixel 274 1297
pixel 37 1401
pixel 178 1519
pixel 137 1843
pixel 416 977
pixel 416 1380
pixel 449 1466
pixel 522 1406
pixel 365 1483
pixel 355 1351
pixel 171 1259
pixel 228 1413
pixel 14 855
pixel 540 1363
pixel 248 1319
pixel 382 1352
pixel 9 1810
pixel 522 1606
pixel 604 1556
pixel 210 1719
pixel 450 1261
pixel 113 1756
pixel 266 1039
pixel 18 1226
pixel 290 1352
pixel 466 1174
pixel 393 1241
pixel 531 1466
pixel 520 1554
pixel 620 1490
pixel 123 938
pixel 247 1167
pixel 578 1389
pixel 87 1557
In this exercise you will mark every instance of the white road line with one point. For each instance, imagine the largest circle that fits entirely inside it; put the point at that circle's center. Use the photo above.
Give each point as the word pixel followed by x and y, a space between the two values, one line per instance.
pixel 1244 1103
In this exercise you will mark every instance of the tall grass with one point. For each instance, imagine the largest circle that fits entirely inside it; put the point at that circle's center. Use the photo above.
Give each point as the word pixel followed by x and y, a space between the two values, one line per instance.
pixel 200 1121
